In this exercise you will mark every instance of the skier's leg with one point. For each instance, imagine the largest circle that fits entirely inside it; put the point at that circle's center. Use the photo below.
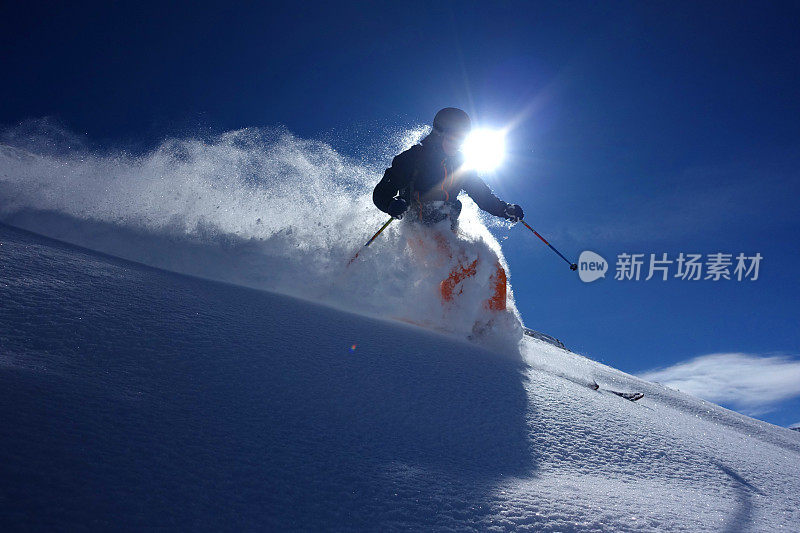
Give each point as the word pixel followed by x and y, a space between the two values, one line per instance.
pixel 498 281
pixel 429 246
pixel 442 244
pixel 457 275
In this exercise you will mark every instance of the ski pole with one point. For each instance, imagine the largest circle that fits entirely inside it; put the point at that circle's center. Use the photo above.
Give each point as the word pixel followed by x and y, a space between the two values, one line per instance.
pixel 572 266
pixel 372 239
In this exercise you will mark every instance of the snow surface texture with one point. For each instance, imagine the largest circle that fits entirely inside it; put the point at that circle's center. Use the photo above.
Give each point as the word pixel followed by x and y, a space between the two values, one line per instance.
pixel 256 207
pixel 137 398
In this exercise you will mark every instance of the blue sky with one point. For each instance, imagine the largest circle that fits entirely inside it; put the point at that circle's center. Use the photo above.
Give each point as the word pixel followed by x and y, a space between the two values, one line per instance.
pixel 642 127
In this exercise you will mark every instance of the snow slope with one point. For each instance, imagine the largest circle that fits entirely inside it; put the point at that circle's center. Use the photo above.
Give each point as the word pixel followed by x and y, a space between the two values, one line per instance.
pixel 138 398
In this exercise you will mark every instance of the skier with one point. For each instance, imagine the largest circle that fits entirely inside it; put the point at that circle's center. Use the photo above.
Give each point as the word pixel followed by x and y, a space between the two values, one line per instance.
pixel 424 181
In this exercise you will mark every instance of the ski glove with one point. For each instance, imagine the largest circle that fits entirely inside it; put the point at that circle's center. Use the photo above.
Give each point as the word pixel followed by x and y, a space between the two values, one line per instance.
pixel 513 213
pixel 396 208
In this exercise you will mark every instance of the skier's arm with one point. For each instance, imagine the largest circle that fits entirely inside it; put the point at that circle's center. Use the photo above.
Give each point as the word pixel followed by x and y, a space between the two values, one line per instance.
pixel 477 189
pixel 394 181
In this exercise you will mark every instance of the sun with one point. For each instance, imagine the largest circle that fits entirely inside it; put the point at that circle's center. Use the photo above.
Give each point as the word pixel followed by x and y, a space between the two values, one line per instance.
pixel 484 149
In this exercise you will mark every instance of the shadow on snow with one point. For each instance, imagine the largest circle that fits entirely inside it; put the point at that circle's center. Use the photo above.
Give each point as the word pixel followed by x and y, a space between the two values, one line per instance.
pixel 133 396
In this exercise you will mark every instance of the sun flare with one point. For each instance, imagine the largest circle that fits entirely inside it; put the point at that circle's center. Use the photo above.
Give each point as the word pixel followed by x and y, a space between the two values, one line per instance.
pixel 484 149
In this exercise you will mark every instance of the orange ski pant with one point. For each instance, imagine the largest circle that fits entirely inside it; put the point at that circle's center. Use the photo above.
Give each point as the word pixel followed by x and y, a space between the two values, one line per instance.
pixel 451 286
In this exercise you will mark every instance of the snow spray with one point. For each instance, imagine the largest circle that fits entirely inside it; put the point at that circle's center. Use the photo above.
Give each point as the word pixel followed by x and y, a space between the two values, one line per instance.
pixel 258 207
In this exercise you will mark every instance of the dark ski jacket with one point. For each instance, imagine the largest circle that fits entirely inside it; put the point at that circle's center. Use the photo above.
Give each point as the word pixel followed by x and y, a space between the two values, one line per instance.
pixel 424 174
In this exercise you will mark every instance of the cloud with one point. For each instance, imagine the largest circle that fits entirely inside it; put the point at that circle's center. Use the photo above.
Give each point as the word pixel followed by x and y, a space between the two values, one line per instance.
pixel 752 384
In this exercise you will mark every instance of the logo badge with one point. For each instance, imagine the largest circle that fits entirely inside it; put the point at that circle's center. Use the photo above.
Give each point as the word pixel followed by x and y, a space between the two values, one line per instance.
pixel 591 266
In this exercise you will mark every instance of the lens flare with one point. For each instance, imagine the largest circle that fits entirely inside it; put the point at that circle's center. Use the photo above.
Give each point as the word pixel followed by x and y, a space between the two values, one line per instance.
pixel 484 149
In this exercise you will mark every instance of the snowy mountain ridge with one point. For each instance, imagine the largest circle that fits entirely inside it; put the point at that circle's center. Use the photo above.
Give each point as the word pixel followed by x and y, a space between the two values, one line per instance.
pixel 137 398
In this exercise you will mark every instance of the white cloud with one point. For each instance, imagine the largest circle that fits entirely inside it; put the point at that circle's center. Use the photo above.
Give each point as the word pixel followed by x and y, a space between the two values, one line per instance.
pixel 752 384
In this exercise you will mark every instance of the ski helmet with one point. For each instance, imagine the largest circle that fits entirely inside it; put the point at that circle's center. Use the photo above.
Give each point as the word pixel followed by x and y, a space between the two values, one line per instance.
pixel 451 120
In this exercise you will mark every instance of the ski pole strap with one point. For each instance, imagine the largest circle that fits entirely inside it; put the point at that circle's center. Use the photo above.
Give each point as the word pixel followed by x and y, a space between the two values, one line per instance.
pixel 572 266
